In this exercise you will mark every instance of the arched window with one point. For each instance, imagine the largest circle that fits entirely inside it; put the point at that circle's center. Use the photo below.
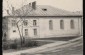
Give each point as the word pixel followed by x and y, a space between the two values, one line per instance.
pixel 50 24
pixel 72 24
pixel 61 24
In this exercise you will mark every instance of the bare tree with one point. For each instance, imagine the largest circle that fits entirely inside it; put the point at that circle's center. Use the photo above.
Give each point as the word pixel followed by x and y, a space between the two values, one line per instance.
pixel 21 19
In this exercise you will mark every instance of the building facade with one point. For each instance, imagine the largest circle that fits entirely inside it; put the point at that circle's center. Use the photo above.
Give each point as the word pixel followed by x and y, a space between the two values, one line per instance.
pixel 42 22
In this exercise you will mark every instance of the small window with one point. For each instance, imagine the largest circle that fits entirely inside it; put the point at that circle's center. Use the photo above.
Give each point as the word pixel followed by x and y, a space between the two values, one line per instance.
pixel 26 32
pixel 50 25
pixel 44 9
pixel 25 22
pixel 35 31
pixel 14 30
pixel 72 24
pixel 34 22
pixel 61 24
pixel 13 22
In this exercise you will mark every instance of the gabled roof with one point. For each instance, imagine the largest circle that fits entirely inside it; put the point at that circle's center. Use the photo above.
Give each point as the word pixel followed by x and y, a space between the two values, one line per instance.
pixel 51 11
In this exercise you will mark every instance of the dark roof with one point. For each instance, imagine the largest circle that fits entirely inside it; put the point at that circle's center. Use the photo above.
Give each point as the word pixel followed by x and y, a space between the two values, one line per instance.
pixel 41 11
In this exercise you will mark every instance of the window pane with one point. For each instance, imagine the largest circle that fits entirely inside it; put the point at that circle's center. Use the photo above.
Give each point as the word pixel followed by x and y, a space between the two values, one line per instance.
pixel 61 24
pixel 26 32
pixel 25 22
pixel 50 25
pixel 35 31
pixel 72 24
pixel 13 22
pixel 14 30
pixel 34 22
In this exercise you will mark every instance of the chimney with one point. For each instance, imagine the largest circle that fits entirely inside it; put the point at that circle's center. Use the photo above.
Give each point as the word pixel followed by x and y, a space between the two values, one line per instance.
pixel 34 5
pixel 13 10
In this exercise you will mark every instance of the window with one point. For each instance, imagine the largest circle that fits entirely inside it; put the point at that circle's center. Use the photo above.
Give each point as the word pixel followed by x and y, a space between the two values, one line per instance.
pixel 13 22
pixel 34 23
pixel 35 31
pixel 50 25
pixel 25 22
pixel 14 30
pixel 61 24
pixel 44 9
pixel 26 32
pixel 72 24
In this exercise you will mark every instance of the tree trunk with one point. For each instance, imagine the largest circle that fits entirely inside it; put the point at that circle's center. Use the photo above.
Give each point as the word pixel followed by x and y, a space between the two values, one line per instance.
pixel 19 34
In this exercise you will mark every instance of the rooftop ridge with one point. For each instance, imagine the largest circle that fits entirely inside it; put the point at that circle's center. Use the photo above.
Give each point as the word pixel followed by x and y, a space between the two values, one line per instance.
pixel 51 11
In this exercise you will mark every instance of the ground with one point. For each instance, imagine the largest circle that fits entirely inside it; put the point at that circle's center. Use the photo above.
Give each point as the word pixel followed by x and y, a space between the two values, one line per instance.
pixel 75 49
pixel 78 50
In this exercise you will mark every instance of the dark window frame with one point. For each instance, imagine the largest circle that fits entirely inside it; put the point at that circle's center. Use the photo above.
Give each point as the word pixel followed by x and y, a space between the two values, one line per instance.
pixel 14 30
pixel 72 26
pixel 25 22
pixel 34 22
pixel 13 22
pixel 35 32
pixel 50 24
pixel 26 32
pixel 61 24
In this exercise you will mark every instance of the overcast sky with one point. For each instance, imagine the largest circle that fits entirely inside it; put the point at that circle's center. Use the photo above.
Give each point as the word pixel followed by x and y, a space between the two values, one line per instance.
pixel 70 5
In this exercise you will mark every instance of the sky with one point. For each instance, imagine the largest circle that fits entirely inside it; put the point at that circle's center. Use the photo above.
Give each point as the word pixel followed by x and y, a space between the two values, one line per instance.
pixel 69 5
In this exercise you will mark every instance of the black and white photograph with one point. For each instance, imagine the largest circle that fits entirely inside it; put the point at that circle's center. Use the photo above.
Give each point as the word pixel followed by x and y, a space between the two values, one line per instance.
pixel 42 27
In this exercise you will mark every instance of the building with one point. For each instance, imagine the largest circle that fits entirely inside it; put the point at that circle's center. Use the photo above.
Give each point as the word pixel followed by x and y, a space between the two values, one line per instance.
pixel 42 21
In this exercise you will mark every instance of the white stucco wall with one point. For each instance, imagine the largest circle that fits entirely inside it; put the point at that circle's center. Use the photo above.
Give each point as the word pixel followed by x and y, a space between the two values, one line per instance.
pixel 30 27
pixel 43 28
pixel 11 34
pixel 57 32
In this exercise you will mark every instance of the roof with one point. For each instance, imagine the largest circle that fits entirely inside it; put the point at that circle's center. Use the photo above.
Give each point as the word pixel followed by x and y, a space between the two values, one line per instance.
pixel 51 11
pixel 79 12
